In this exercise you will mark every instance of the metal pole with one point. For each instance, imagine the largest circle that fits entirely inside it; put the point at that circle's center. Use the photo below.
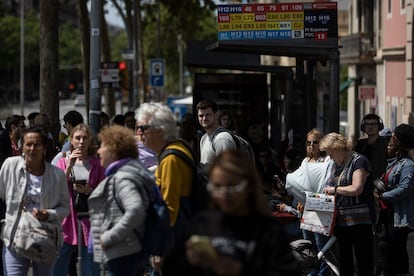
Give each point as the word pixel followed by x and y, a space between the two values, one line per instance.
pixel 180 64
pixel 21 57
pixel 136 55
pixel 158 89
pixel 159 29
pixel 334 90
pixel 95 61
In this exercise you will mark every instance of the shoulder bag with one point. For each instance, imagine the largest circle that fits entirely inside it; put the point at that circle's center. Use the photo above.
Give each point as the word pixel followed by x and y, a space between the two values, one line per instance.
pixel 36 240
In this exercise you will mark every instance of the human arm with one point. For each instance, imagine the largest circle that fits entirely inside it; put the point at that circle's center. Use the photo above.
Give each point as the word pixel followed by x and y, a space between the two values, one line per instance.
pixel 351 180
pixel 272 254
pixel 56 204
pixel 223 141
pixel 404 188
pixel 287 209
pixel 201 253
pixel 359 177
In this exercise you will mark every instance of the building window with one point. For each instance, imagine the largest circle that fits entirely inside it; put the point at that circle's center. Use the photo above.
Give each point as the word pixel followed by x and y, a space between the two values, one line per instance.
pixel 389 8
pixel 403 4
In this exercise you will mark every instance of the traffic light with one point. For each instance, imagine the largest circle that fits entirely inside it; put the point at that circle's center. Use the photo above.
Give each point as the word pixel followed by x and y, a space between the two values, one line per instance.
pixel 123 74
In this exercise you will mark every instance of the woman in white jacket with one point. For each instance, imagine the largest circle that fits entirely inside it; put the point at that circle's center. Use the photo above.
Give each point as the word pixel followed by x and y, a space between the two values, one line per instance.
pixel 30 181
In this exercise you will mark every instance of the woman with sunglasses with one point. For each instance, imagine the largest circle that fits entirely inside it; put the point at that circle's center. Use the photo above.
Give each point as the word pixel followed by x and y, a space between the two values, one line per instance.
pixel 238 236
pixel 314 157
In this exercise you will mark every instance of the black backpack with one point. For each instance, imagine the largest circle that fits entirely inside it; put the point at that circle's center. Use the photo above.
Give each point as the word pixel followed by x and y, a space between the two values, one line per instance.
pixel 199 195
pixel 241 143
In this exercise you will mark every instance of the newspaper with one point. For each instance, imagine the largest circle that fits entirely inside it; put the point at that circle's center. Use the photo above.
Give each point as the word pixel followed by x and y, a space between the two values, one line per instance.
pixel 319 213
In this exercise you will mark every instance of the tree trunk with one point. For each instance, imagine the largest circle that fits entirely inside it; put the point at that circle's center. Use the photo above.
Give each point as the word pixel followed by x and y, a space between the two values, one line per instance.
pixel 49 62
pixel 84 26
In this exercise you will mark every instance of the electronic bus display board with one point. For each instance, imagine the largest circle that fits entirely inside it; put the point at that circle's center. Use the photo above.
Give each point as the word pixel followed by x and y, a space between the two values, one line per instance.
pixel 316 21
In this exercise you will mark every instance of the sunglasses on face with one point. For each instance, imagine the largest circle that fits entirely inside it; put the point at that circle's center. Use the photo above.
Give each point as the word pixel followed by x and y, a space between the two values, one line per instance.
pixel 143 127
pixel 311 143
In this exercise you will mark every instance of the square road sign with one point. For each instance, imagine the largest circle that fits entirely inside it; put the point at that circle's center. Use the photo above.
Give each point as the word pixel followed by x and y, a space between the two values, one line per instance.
pixel 157 69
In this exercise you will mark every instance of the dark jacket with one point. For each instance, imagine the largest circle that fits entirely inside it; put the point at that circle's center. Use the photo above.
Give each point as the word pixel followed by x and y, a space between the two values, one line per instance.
pixel 259 243
pixel 5 146
pixel 376 154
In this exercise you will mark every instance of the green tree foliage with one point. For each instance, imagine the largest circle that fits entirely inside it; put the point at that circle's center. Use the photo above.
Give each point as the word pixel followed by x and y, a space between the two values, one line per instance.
pixel 194 20
pixel 119 41
pixel 343 97
pixel 10 33
pixel 69 46
pixel 69 42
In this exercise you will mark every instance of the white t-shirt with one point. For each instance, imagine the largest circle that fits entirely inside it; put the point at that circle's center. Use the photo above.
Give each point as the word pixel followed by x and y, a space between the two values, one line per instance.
pixel 222 141
pixel 34 188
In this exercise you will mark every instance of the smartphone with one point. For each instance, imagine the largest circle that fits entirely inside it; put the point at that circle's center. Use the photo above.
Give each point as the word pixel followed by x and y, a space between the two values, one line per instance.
pixel 203 244
pixel 82 182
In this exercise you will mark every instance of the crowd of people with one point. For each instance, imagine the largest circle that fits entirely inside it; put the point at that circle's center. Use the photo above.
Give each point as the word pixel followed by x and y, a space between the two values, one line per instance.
pixel 94 190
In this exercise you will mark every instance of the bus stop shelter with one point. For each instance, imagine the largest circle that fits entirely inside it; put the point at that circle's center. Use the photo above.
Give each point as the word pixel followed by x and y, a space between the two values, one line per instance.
pixel 317 42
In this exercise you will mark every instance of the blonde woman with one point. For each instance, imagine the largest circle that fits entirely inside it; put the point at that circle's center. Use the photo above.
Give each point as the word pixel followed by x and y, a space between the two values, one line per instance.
pixel 354 200
pixel 83 172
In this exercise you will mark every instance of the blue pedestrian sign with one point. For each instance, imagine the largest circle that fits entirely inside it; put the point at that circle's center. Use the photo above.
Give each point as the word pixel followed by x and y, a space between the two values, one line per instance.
pixel 157 69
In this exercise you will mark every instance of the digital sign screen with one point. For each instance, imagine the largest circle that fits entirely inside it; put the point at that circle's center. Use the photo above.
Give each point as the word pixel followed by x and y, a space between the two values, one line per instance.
pixel 317 21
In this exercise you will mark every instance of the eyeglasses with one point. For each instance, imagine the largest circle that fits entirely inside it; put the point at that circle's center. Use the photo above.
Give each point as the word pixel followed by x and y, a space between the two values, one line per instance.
pixel 221 190
pixel 143 127
pixel 370 124
pixel 311 143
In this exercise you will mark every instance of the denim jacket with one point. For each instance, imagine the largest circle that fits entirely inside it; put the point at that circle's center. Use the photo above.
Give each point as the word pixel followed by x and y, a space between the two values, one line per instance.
pixel 401 195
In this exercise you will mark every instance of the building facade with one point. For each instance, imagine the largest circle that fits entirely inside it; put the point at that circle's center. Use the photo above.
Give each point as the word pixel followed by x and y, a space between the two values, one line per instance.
pixel 378 53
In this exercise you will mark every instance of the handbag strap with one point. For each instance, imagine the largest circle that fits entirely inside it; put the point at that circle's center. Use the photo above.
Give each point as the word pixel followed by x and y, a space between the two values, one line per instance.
pixel 345 168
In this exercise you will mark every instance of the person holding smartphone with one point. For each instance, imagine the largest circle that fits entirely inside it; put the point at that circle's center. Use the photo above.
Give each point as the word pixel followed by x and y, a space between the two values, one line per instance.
pixel 84 172
pixel 238 236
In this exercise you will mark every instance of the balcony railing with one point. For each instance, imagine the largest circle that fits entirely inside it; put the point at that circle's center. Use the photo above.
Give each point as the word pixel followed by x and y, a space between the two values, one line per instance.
pixel 357 47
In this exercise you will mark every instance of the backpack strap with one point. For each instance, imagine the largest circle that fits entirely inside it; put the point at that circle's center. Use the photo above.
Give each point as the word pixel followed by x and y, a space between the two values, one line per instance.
pixel 180 154
pixel 223 129
pixel 165 151
pixel 189 162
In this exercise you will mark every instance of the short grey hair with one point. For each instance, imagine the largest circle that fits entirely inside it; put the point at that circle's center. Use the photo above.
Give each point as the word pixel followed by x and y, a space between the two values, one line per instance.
pixel 159 116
